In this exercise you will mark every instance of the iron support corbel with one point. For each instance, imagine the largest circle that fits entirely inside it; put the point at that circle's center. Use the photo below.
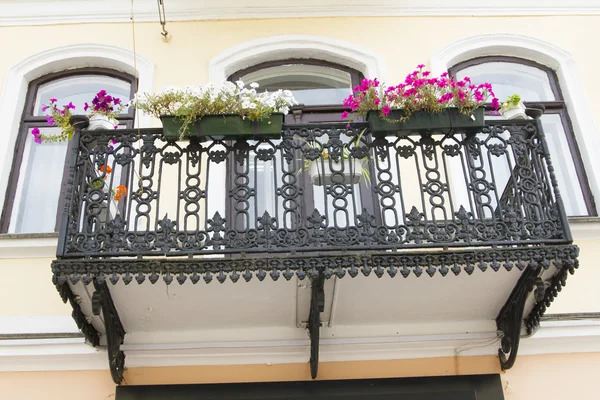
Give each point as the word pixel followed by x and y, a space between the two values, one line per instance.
pixel 88 330
pixel 115 333
pixel 510 318
pixel 317 305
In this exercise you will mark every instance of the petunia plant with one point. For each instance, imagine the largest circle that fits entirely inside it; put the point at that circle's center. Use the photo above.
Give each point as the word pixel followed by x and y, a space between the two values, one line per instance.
pixel 419 92
pixel 194 102
pixel 102 105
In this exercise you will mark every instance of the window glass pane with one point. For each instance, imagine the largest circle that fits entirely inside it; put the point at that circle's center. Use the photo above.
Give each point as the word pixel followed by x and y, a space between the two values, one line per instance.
pixel 509 78
pixel 311 84
pixel 36 200
pixel 80 89
pixel 564 167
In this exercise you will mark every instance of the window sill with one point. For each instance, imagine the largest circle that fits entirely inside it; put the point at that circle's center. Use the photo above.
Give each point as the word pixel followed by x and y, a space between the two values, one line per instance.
pixel 585 228
pixel 28 245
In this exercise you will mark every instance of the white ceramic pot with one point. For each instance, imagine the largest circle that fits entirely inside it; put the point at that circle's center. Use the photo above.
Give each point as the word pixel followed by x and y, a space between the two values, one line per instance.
pixel 351 171
pixel 517 112
pixel 101 122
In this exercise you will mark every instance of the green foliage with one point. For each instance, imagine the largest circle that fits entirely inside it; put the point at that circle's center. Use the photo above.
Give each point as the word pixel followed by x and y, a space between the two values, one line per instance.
pixel 511 102
pixel 192 103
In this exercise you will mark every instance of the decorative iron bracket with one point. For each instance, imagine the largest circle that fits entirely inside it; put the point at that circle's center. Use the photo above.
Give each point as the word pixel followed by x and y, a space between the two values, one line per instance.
pixel 510 318
pixel 115 333
pixel 79 317
pixel 317 306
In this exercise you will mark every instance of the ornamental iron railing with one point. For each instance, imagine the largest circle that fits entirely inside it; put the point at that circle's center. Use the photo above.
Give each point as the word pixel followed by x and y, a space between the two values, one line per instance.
pixel 322 187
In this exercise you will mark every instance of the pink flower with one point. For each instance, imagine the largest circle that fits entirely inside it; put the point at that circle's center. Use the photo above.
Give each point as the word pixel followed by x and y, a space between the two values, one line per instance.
pixel 85 106
pixel 44 107
pixel 344 115
pixel 445 74
pixel 36 135
pixel 495 103
pixel 53 100
pixel 386 110
pixel 421 66
pixel 50 120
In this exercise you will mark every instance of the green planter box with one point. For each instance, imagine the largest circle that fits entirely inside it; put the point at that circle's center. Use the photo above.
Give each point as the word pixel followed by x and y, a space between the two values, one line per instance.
pixel 225 126
pixel 449 119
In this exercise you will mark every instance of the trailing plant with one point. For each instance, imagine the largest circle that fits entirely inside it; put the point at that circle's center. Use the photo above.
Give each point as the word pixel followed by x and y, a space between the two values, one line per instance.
pixel 419 92
pixel 102 104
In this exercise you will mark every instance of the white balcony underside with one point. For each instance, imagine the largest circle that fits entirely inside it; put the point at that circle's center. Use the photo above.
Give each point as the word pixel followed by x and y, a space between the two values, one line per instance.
pixel 259 312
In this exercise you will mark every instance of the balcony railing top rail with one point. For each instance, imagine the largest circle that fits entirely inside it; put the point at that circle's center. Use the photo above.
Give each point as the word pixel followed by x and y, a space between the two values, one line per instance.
pixel 322 187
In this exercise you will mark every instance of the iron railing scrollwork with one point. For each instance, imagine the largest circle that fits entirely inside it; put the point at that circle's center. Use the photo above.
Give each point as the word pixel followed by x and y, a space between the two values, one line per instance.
pixel 436 190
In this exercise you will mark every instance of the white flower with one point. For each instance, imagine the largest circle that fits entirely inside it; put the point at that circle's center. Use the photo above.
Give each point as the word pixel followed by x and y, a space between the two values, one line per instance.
pixel 252 105
pixel 288 93
pixel 254 85
pixel 240 84
pixel 229 87
pixel 246 104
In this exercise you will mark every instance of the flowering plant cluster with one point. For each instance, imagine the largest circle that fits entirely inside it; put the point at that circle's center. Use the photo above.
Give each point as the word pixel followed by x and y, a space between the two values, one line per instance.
pixel 194 102
pixel 419 92
pixel 102 104
pixel 105 104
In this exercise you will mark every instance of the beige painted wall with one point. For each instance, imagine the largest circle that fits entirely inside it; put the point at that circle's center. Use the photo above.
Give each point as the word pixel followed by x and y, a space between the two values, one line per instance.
pixel 27 289
pixel 549 377
pixel 402 42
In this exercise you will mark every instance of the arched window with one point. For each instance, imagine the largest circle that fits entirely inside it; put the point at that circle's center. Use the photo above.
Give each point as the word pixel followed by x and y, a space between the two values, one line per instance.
pixel 319 86
pixel 38 171
pixel 537 83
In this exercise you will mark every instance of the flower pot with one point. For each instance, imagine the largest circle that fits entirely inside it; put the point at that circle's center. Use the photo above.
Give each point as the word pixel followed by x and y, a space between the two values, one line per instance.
pixel 224 126
pixel 447 120
pixel 101 122
pixel 344 172
pixel 517 112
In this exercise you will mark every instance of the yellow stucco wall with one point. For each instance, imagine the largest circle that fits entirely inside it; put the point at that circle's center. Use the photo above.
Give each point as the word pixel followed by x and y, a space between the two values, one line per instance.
pixel 549 377
pixel 402 42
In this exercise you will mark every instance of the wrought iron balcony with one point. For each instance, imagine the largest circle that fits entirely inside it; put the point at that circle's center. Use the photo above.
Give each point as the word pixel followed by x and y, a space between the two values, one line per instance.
pixel 435 202
pixel 441 190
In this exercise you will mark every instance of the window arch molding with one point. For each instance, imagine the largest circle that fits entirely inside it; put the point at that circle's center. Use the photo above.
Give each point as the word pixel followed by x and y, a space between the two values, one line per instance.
pixel 258 51
pixel 53 60
pixel 548 55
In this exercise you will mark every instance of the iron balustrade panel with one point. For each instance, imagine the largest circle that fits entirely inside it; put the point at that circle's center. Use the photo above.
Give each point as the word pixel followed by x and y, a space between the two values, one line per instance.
pixel 322 187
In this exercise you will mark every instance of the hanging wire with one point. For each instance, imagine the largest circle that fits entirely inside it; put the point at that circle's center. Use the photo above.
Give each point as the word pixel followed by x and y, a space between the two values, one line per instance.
pixel 137 112
pixel 163 19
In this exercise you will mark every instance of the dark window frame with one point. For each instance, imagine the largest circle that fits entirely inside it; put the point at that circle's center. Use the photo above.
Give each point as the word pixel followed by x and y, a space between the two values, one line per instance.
pixel 301 113
pixel 552 107
pixel 29 120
